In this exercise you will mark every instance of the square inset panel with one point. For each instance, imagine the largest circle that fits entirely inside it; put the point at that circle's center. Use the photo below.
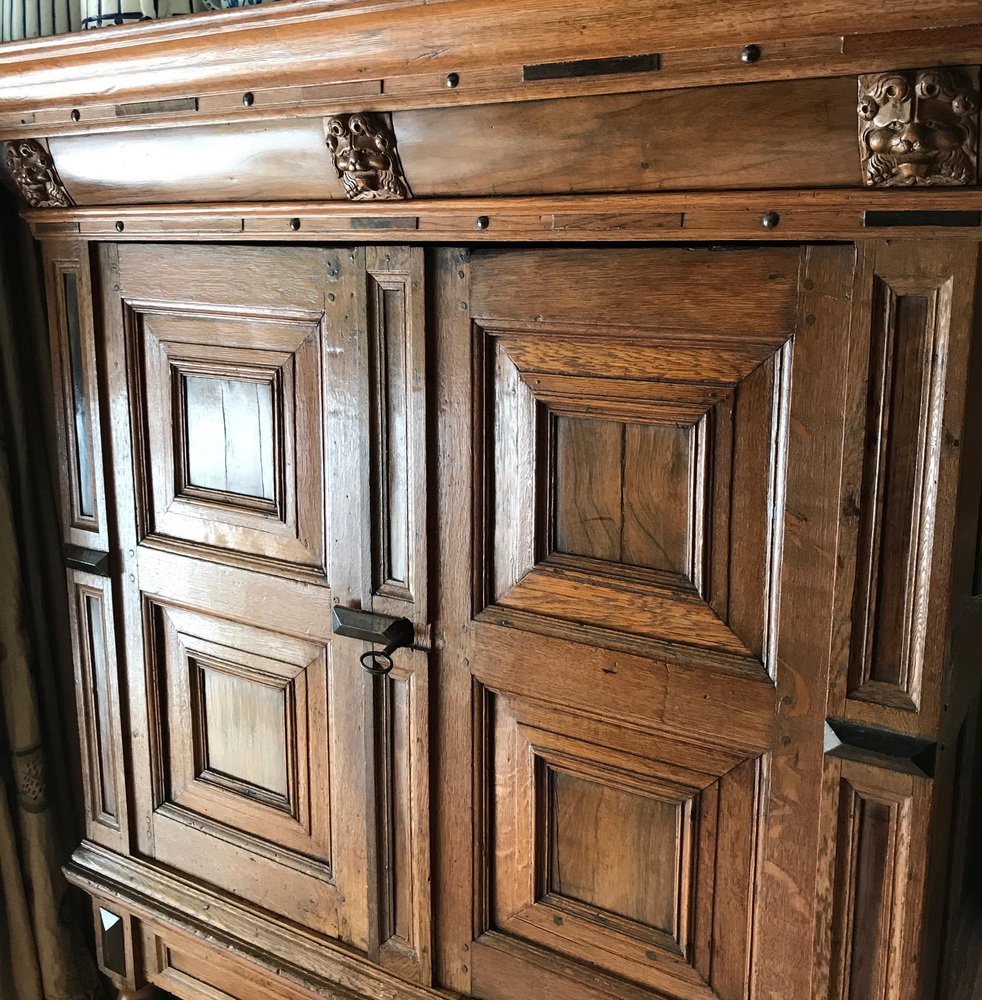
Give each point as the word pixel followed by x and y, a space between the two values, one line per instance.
pixel 243 726
pixel 613 849
pixel 641 864
pixel 235 707
pixel 623 492
pixel 645 505
pixel 230 445
pixel 230 411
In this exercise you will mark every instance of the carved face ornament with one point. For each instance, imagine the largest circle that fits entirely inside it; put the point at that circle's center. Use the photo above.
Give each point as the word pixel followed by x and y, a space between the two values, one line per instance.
pixel 365 158
pixel 918 128
pixel 34 173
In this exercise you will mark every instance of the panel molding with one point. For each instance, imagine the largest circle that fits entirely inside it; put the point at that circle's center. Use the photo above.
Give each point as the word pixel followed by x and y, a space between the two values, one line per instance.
pixel 68 286
pixel 715 837
pixel 877 823
pixel 737 416
pixel 97 694
pixel 293 828
pixel 907 377
pixel 284 534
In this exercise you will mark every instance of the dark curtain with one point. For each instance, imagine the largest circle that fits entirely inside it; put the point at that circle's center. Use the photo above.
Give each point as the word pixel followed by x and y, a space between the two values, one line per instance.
pixel 43 953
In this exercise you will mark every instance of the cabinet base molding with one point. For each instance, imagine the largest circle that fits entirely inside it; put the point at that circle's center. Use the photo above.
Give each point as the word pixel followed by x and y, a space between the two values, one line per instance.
pixel 200 944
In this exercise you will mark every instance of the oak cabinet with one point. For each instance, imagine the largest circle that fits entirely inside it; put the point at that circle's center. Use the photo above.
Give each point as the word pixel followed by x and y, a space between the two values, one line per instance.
pixel 672 526
pixel 628 399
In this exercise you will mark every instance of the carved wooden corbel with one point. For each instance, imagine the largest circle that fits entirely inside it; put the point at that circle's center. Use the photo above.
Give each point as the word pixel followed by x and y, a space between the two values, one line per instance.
pixel 920 127
pixel 365 156
pixel 34 173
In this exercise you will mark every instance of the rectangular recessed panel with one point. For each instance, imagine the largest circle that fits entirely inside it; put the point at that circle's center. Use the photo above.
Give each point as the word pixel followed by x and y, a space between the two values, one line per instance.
pixel 230 435
pixel 623 492
pixel 903 432
pixel 245 729
pixel 614 849
pixel 102 730
pixel 85 469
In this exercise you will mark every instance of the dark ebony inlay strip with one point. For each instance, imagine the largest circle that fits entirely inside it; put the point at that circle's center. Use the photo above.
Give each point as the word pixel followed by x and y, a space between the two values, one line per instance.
pixel 592 67
pixel 157 107
pixel 884 220
pixel 87 560
pixel 882 747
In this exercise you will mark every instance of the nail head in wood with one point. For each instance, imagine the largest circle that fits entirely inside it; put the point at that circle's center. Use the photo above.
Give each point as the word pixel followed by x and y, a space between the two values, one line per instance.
pixel 294 224
pixel 76 115
pixel 770 220
pixel 482 222
pixel 452 80
pixel 751 54
pixel 248 99
pixel 120 226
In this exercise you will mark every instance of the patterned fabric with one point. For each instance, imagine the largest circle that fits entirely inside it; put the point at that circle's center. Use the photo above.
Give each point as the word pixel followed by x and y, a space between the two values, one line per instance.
pixel 42 955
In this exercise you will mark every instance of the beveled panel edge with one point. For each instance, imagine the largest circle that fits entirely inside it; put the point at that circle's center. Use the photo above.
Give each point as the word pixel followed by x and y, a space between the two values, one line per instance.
pixel 483 47
pixel 802 215
pixel 882 747
pixel 162 899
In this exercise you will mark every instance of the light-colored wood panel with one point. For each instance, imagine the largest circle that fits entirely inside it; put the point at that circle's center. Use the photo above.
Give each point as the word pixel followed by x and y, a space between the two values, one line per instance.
pixel 245 734
pixel 614 850
pixel 589 494
pixel 513 433
pixel 618 142
pixel 285 159
pixel 734 294
pixel 230 435
pixel 658 501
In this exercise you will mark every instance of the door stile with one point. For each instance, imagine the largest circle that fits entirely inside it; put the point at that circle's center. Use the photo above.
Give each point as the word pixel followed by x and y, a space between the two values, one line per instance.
pixel 394 383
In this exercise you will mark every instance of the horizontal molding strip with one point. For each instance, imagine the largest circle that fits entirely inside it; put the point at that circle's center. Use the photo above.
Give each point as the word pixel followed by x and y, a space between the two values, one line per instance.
pixel 411 48
pixel 167 900
pixel 738 215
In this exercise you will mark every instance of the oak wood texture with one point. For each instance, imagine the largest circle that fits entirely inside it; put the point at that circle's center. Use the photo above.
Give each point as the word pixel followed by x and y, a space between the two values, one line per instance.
pixel 230 661
pixel 267 947
pixel 78 420
pixel 333 43
pixel 769 750
pixel 630 563
pixel 598 144
pixel 900 485
pixel 803 215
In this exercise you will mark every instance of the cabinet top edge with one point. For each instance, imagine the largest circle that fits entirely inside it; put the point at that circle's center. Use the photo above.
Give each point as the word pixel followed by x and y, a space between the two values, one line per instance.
pixel 495 51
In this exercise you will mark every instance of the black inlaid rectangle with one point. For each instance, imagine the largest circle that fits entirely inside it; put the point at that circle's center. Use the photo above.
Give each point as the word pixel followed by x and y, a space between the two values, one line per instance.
pixel 880 747
pixel 87 560
pixel 953 220
pixel 592 67
pixel 157 107
pixel 383 222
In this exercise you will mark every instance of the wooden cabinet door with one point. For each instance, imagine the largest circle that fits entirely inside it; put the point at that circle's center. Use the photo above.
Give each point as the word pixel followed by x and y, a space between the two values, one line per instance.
pixel 637 576
pixel 238 387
